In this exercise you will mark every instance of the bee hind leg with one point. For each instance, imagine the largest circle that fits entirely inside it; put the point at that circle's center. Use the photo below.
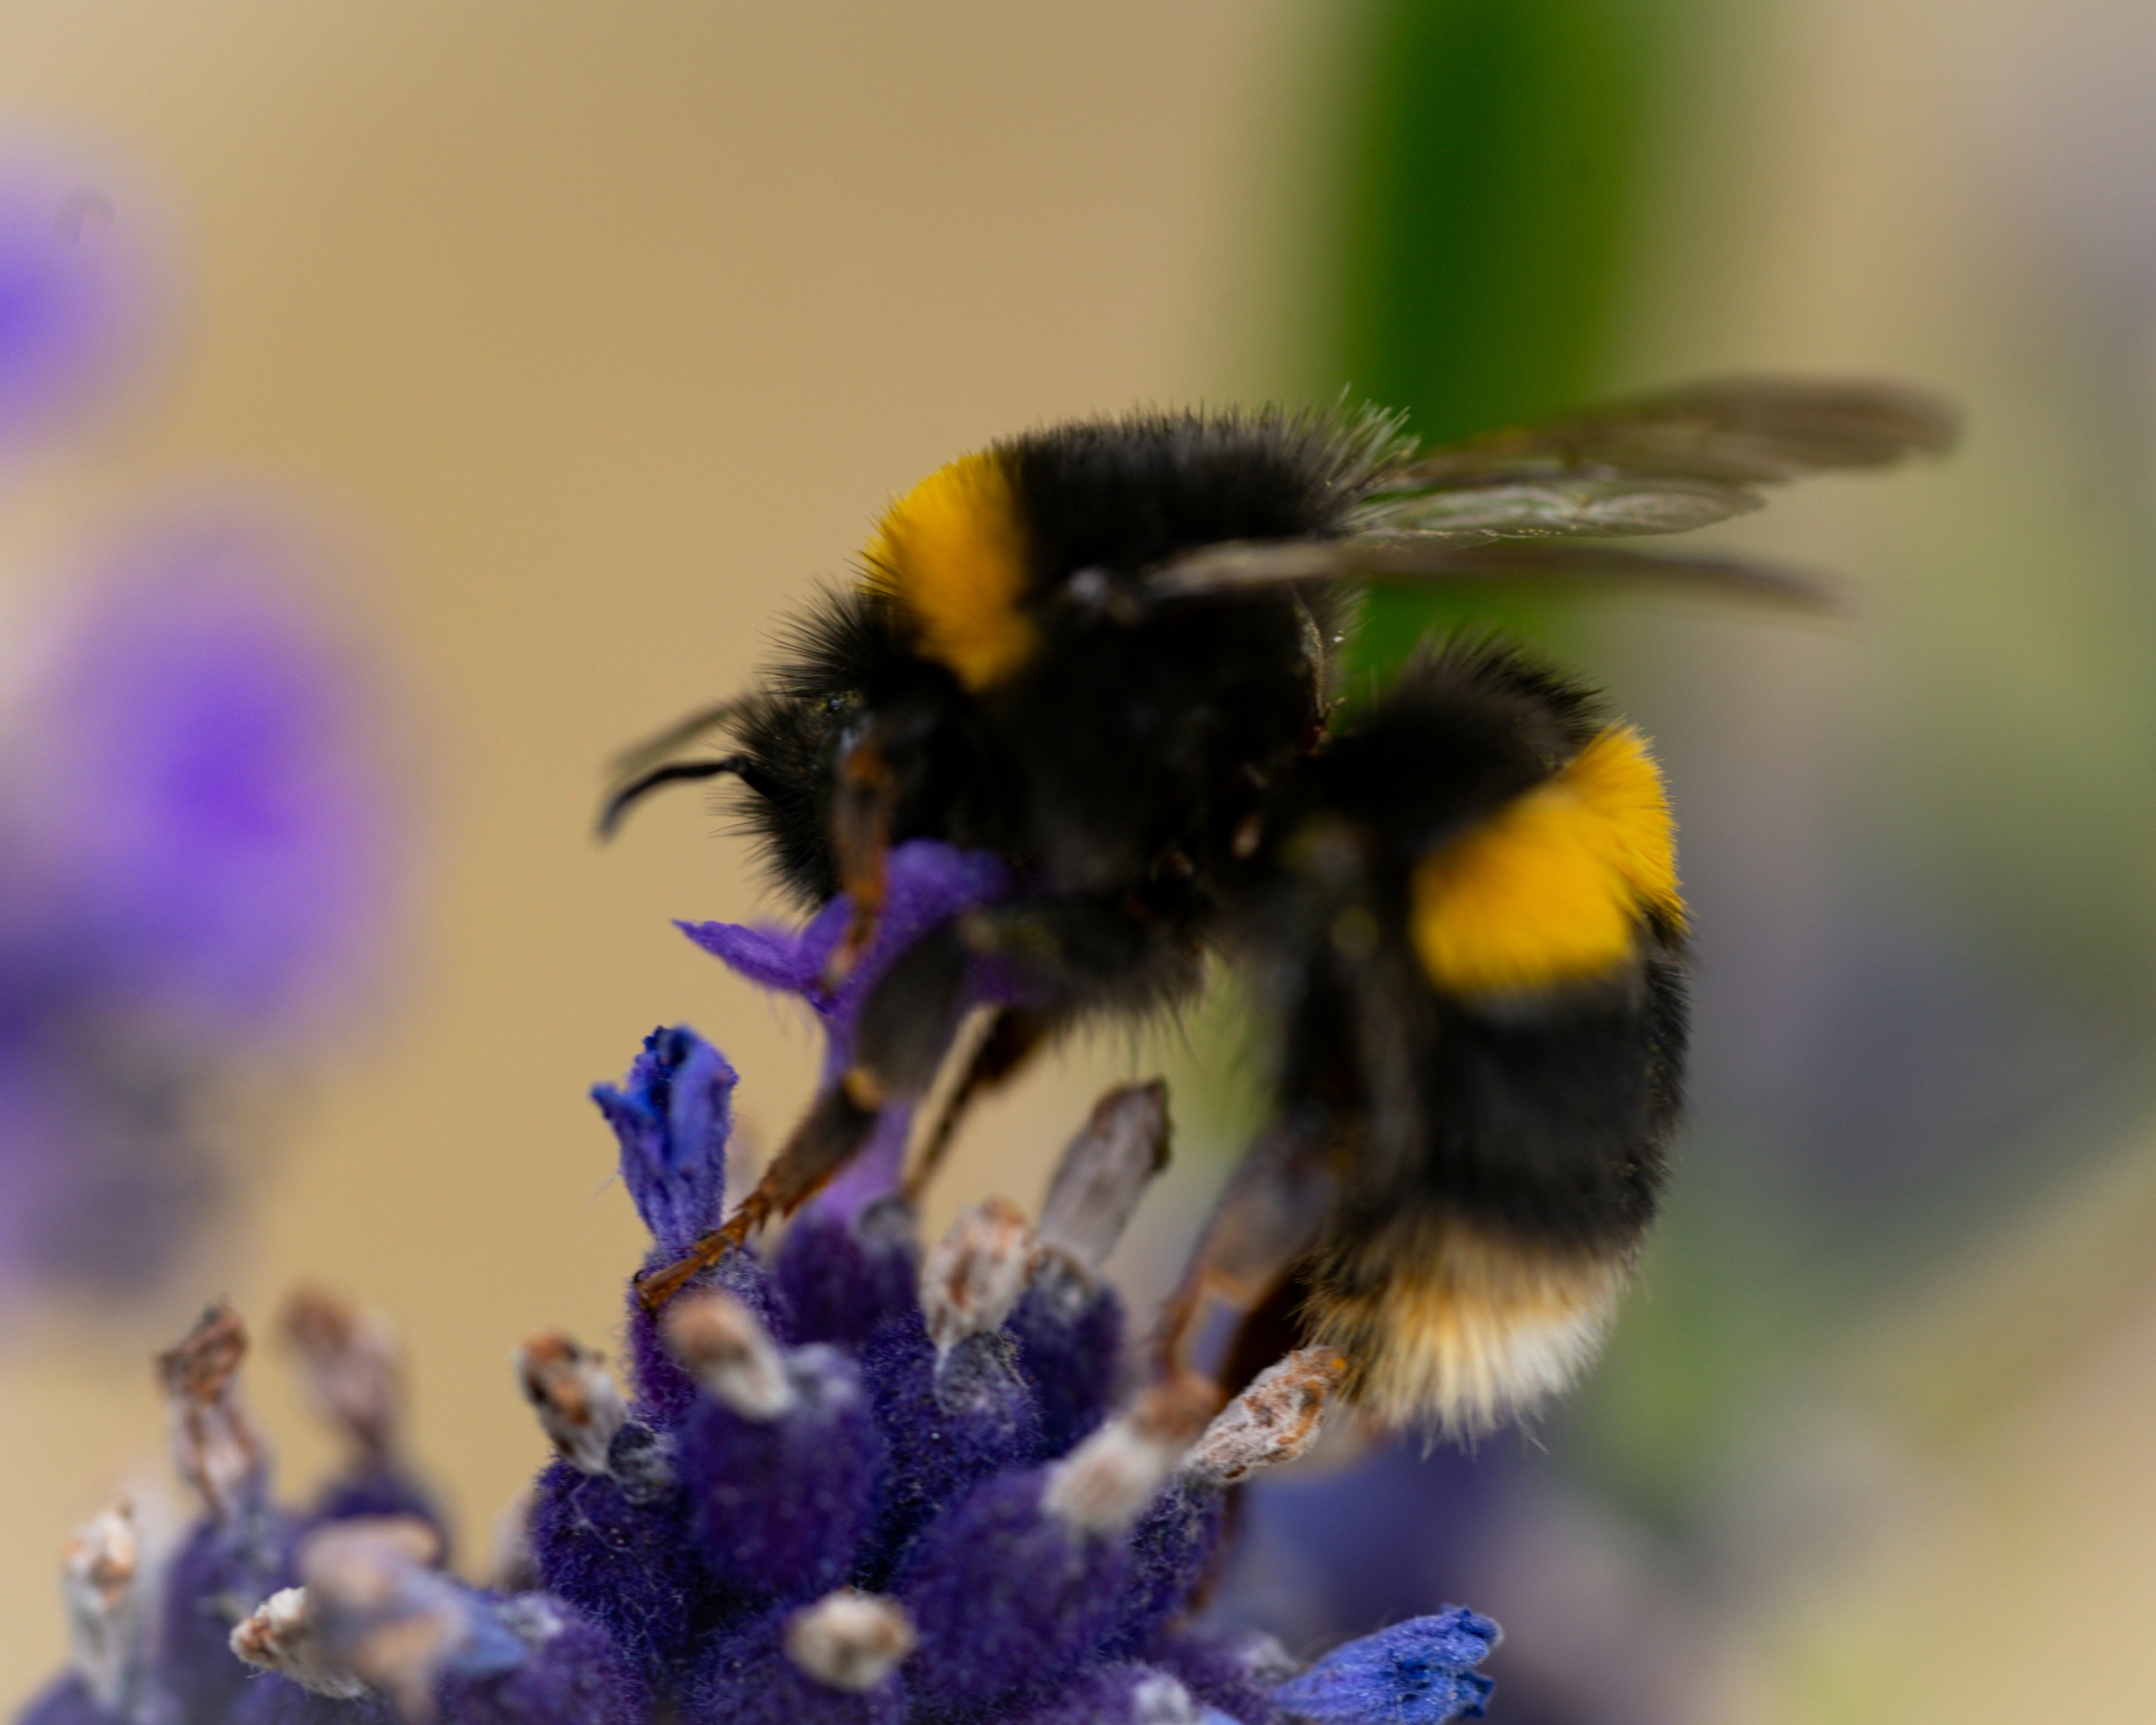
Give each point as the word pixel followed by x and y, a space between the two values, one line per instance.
pixel 1262 1226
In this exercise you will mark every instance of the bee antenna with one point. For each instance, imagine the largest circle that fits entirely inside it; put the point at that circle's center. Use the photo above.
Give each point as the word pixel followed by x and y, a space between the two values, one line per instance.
pixel 628 796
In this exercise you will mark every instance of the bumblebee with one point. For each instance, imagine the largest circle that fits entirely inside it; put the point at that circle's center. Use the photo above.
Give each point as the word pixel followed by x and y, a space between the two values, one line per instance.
pixel 1107 653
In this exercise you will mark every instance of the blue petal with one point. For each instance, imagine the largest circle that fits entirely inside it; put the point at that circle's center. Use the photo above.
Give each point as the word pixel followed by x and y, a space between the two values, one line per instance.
pixel 1420 1672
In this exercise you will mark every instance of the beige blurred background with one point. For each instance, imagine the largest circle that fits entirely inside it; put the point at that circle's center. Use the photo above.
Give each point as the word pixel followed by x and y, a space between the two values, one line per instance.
pixel 602 330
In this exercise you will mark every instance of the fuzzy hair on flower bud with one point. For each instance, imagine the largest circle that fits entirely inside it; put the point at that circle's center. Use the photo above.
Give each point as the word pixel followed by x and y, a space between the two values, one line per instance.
pixel 354 1370
pixel 1105 1482
pixel 850 1639
pixel 216 1447
pixel 721 1344
pixel 977 1272
pixel 578 1405
pixel 281 1635
pixel 1275 1419
pixel 100 1568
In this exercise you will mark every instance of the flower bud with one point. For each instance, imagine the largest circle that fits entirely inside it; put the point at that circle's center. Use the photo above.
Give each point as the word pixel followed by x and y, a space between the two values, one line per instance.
pixel 1105 1482
pixel 672 1116
pixel 216 1447
pixel 100 1570
pixel 779 1460
pixel 1104 1171
pixel 720 1343
pixel 976 1273
pixel 849 1639
pixel 1276 1418
pixel 1420 1672
pixel 574 1394
pixel 841 1280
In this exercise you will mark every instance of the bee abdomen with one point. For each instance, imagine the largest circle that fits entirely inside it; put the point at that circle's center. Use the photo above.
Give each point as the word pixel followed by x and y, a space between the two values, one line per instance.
pixel 1457 1328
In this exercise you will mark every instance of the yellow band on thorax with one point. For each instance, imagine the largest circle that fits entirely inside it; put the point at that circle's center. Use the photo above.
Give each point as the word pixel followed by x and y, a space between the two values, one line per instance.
pixel 952 553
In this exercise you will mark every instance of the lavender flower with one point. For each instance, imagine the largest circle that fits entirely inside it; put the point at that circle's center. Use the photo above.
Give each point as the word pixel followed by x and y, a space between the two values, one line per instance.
pixel 195 834
pixel 850 1513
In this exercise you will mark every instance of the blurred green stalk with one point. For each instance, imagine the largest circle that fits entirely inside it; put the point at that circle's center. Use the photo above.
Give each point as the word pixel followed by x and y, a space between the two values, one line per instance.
pixel 1492 164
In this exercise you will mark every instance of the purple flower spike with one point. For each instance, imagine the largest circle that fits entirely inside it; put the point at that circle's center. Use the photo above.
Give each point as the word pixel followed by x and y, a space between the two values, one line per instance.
pixel 673 1115
pixel 1420 1672
pixel 780 1458
pixel 72 297
pixel 870 1529
pixel 608 1524
pixel 834 1663
pixel 1008 1595
pixel 842 1280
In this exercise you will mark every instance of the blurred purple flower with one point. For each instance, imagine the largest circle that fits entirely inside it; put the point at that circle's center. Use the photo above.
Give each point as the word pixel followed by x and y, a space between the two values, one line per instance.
pixel 197 842
pixel 71 298
pixel 196 819
pixel 197 833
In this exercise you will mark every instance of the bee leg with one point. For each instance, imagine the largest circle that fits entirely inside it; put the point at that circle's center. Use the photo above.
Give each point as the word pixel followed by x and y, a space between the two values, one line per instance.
pixel 1013 1038
pixel 903 1029
pixel 863 804
pixel 1266 1220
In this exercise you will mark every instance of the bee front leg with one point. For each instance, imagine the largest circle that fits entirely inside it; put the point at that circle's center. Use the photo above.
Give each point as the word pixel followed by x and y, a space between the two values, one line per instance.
pixel 901 1035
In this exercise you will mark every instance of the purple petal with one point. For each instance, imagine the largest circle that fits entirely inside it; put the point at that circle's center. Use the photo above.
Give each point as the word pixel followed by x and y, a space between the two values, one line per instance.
pixel 771 957
pixel 925 884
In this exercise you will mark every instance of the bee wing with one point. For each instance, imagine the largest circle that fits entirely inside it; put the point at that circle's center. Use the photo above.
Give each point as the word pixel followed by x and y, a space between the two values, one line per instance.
pixel 1431 557
pixel 1657 464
